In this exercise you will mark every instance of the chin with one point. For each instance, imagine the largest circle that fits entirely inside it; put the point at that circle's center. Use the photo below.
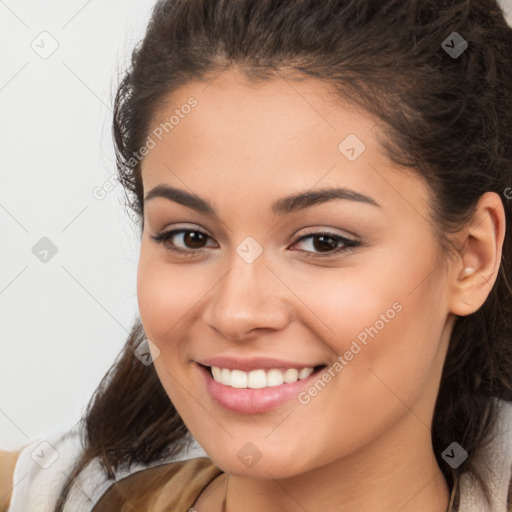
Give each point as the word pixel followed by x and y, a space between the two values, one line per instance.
pixel 275 466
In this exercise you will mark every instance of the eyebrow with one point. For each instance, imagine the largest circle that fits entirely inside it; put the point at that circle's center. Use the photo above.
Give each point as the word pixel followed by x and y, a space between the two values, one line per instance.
pixel 283 206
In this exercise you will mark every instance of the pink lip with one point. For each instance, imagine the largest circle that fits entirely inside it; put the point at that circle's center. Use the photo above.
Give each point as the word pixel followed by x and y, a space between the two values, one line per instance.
pixel 255 363
pixel 253 401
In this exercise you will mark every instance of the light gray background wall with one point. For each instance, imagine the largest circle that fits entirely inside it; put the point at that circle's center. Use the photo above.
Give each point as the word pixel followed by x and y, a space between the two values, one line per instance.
pixel 63 321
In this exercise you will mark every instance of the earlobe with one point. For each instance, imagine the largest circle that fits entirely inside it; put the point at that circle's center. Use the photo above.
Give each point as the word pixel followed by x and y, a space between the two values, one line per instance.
pixel 476 269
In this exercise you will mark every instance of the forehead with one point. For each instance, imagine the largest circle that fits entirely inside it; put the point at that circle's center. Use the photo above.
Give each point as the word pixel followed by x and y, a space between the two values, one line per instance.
pixel 280 114
pixel 274 137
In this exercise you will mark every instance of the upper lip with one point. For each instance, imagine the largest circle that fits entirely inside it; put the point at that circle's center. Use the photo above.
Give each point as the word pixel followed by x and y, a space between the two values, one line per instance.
pixel 254 363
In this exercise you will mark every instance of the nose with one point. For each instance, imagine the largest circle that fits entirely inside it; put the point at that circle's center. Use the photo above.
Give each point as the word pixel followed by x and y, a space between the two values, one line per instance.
pixel 248 300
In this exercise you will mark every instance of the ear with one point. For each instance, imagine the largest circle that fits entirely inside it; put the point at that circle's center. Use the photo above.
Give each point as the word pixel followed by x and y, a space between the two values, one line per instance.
pixel 479 244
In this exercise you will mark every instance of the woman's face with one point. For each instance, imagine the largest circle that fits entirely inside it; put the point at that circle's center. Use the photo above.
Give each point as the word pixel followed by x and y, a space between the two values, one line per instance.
pixel 373 309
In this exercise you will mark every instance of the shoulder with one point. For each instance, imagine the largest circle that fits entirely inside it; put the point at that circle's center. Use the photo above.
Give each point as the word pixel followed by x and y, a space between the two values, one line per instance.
pixel 7 463
pixel 42 468
pixel 495 461
pixel 40 471
pixel 171 486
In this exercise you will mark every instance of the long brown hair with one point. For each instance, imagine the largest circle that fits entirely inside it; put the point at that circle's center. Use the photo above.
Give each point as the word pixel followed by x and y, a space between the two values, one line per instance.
pixel 448 117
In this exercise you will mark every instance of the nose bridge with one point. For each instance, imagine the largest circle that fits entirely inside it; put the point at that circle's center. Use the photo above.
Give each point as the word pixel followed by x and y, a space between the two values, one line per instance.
pixel 248 296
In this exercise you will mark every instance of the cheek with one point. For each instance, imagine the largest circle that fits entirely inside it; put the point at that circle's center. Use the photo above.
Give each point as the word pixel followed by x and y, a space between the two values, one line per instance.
pixel 346 302
pixel 166 294
pixel 394 294
pixel 166 297
pixel 387 329
pixel 384 318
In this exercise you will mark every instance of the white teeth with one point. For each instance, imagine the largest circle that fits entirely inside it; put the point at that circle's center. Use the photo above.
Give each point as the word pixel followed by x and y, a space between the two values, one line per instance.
pixel 257 379
pixel 216 373
pixel 225 376
pixel 305 372
pixel 275 377
pixel 291 375
pixel 238 379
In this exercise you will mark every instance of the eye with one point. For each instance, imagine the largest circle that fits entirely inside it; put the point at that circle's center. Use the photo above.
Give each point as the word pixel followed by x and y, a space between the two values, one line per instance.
pixel 192 239
pixel 328 244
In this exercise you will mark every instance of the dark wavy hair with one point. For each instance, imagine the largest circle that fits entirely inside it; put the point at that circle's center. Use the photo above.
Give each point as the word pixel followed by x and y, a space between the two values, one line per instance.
pixel 448 118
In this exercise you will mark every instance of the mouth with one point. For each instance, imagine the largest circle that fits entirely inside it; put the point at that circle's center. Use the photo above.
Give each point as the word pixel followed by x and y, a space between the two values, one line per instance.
pixel 256 391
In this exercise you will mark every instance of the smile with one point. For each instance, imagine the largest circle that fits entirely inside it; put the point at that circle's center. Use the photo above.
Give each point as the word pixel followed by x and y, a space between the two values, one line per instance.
pixel 257 379
pixel 255 391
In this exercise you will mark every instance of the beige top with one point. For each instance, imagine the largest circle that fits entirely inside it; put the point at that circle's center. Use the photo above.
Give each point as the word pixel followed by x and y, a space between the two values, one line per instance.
pixel 171 487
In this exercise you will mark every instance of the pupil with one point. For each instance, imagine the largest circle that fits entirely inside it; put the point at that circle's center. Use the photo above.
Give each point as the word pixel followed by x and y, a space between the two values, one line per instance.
pixel 323 244
pixel 193 237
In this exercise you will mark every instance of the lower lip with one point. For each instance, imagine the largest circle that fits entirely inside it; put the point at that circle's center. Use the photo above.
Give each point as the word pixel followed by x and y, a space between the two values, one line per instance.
pixel 253 401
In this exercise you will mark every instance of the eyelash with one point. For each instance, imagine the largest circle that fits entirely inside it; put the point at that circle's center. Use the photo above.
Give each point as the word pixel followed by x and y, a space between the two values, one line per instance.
pixel 348 244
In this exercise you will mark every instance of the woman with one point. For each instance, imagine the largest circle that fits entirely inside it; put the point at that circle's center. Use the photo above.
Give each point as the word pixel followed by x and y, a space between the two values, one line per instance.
pixel 323 190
